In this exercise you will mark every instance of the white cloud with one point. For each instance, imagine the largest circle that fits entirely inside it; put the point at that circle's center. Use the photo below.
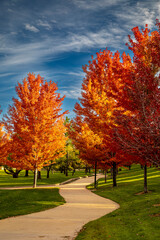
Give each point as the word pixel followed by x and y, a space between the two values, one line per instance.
pixel 6 89
pixel 41 51
pixel 31 28
pixel 78 74
pixel 95 5
pixel 31 53
pixel 158 7
pixel 6 74
pixel 140 15
pixel 90 40
pixel 73 93
pixel 10 10
pixel 44 24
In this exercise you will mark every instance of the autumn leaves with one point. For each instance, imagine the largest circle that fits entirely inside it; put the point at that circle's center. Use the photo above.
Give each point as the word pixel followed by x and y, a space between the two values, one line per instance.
pixel 120 106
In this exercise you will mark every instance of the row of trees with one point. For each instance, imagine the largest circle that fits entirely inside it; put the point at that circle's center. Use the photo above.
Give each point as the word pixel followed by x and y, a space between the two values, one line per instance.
pixel 118 118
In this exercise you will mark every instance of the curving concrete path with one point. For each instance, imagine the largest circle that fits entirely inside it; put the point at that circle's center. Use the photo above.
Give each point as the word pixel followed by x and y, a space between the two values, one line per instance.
pixel 63 222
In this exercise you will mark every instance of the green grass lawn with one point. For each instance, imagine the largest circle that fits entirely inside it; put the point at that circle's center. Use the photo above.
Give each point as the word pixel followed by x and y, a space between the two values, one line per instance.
pixel 25 201
pixel 138 216
pixel 56 177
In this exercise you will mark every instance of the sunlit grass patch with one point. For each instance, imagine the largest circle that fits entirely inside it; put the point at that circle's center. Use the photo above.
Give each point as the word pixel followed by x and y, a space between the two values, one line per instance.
pixel 55 177
pixel 139 215
pixel 25 201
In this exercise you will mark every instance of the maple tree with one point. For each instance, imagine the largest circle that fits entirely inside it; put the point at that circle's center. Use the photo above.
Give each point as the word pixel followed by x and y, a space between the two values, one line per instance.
pixel 141 94
pixel 1 143
pixel 5 143
pixel 138 133
pixel 97 104
pixel 120 100
pixel 4 139
pixel 90 145
pixel 36 125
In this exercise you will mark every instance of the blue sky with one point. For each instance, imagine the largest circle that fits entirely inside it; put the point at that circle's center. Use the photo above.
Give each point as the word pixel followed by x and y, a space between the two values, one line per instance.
pixel 54 38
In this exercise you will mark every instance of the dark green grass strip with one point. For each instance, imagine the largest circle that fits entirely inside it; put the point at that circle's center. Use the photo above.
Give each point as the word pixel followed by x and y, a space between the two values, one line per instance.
pixel 139 215
pixel 25 201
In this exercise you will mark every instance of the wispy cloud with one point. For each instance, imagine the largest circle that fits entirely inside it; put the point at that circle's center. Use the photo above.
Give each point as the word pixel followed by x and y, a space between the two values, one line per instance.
pixel 6 74
pixel 41 50
pixel 44 24
pixel 23 53
pixel 78 74
pixel 90 40
pixel 139 15
pixel 72 92
pixel 31 28
pixel 95 5
pixel 6 89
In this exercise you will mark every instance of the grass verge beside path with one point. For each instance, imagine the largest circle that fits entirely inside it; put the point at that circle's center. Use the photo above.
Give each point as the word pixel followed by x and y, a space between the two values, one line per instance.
pixel 25 201
pixel 56 177
pixel 138 216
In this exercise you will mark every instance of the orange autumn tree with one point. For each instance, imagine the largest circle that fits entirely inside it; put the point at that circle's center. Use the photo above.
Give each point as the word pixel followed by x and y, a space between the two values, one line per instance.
pixel 4 149
pixel 97 105
pixel 4 139
pixel 90 145
pixel 120 98
pixel 36 125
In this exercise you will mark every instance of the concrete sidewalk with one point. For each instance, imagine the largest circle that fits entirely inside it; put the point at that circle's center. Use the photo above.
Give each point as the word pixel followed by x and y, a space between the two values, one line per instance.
pixel 63 222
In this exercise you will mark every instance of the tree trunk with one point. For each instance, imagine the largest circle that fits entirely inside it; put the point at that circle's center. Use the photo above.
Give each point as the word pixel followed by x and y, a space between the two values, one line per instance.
pixel 114 174
pixel 73 172
pixel 129 167
pixel 95 175
pixel 39 175
pixel 145 179
pixel 48 171
pixel 67 157
pixel 66 171
pixel 86 170
pixel 9 170
pixel 26 173
pixel 105 176
pixel 35 178
pixel 15 174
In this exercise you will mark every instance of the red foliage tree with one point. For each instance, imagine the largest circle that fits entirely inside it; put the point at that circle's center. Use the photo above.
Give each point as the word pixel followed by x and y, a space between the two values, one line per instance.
pixel 138 131
pixel 120 100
